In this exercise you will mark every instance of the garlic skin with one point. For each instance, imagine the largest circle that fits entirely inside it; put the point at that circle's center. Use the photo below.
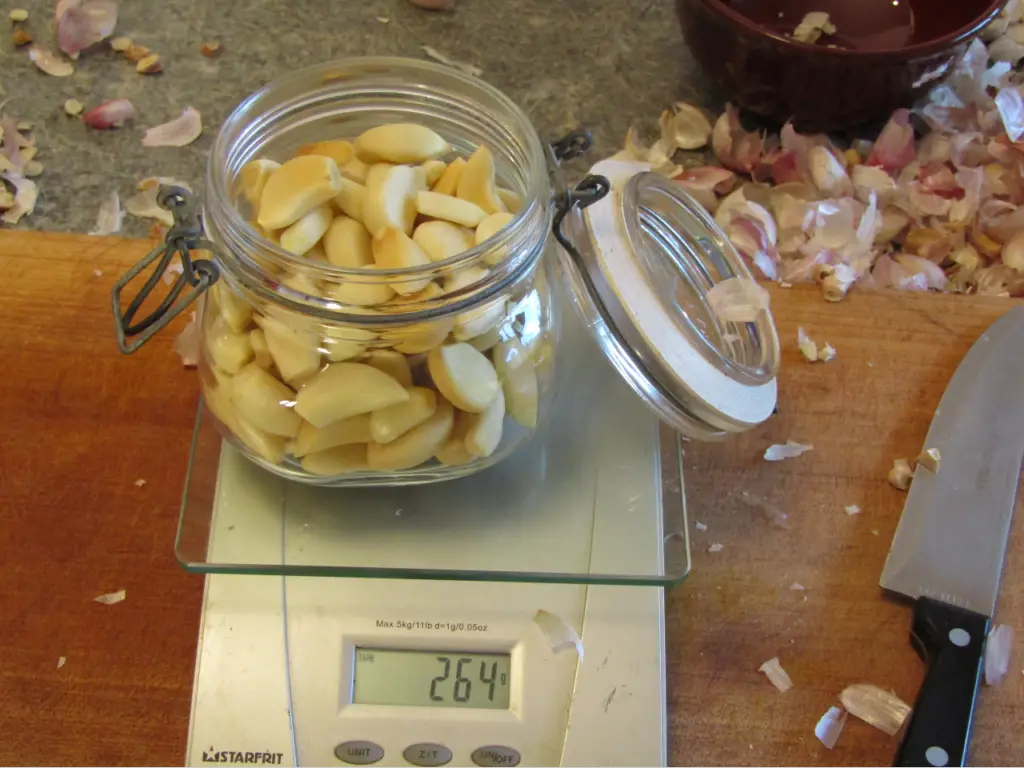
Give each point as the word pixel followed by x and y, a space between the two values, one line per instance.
pixel 901 474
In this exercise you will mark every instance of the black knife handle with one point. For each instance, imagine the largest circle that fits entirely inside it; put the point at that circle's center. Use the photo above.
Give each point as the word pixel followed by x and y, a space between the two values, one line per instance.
pixel 951 640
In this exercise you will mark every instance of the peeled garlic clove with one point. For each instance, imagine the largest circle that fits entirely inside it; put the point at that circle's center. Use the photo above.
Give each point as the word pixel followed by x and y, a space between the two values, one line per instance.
pixel 343 344
pixel 487 229
pixel 511 200
pixel 295 352
pixel 347 244
pixel 479 321
pixel 484 432
pixel 432 170
pixel 301 236
pixel 393 249
pixel 228 350
pixel 218 400
pixel 415 446
pixel 345 432
pixel 340 152
pixel 365 292
pixel 342 390
pixel 394 364
pixel 464 376
pixel 486 340
pixel 264 401
pixel 356 170
pixel 261 352
pixel 400 143
pixel 301 282
pixel 457 281
pixel 351 199
pixel 419 337
pixel 518 378
pixel 253 178
pixel 454 450
pixel 476 184
pixel 297 187
pixel 390 423
pixel 236 310
pixel 267 446
pixel 441 239
pixel 336 461
pixel 401 303
pixel 448 184
pixel 391 198
pixel 453 209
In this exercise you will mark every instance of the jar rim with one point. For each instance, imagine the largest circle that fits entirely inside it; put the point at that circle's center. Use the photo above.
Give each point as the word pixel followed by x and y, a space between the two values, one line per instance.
pixel 387 75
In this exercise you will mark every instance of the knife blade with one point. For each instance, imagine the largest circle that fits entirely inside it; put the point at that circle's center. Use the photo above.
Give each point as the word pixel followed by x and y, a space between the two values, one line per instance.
pixel 947 553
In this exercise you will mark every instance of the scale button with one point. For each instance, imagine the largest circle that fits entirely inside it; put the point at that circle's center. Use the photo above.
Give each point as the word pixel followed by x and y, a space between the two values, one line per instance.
pixel 427 754
pixel 491 756
pixel 360 752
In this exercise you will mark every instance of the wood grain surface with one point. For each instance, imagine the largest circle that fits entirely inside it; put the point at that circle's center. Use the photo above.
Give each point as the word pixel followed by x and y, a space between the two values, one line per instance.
pixel 80 424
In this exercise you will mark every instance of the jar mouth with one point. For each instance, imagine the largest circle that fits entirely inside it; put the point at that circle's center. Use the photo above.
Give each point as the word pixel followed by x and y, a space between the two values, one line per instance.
pixel 340 99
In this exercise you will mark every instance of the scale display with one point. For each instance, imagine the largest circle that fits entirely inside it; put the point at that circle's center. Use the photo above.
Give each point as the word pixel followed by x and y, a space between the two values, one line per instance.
pixel 432 678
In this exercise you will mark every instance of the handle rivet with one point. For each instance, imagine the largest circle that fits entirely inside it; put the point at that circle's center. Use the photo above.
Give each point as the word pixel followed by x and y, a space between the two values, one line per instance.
pixel 960 638
pixel 937 755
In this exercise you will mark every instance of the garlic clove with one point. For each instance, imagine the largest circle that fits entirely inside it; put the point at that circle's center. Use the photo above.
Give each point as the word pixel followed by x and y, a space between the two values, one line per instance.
pixel 400 143
pixel 394 364
pixel 401 303
pixel 419 337
pixel 340 152
pixel 296 188
pixel 393 249
pixel 267 446
pixel 264 402
pixel 351 199
pixel 260 350
pixel 356 170
pixel 479 320
pixel 236 310
pixel 388 424
pixel 484 432
pixel 348 244
pixel 228 350
pixel 487 229
pixel 931 460
pixel 295 352
pixel 301 236
pixel 476 183
pixel 464 376
pixel 432 171
pixel 336 461
pixel 464 278
pixel 513 202
pixel 355 429
pixel 341 344
pixel 391 198
pixel 519 381
pixel 342 390
pixel 486 340
pixel 452 209
pixel 454 452
pixel 253 178
pixel 441 239
pixel 448 184
pixel 301 282
pixel 417 445
pixel 901 474
pixel 366 292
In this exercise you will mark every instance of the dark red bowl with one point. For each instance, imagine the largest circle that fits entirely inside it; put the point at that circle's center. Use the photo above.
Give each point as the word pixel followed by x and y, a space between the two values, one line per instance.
pixel 892 54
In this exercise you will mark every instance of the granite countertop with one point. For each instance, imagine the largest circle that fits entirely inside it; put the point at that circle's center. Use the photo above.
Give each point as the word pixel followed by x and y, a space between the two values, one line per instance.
pixel 601 64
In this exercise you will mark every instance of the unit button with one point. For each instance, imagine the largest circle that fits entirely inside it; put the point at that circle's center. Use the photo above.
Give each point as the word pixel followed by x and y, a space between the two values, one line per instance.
pixel 359 752
pixel 427 754
pixel 491 756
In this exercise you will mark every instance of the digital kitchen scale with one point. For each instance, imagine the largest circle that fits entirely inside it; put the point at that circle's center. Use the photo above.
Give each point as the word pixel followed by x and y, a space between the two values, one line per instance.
pixel 432 651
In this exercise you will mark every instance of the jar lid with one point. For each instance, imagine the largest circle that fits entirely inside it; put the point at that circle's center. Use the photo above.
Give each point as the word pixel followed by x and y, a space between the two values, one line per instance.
pixel 646 255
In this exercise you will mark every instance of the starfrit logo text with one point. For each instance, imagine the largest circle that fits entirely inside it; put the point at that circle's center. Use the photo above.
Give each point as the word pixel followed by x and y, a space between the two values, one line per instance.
pixel 212 755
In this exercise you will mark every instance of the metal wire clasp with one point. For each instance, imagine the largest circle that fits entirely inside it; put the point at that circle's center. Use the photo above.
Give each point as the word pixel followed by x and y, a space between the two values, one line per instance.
pixel 185 236
pixel 588 191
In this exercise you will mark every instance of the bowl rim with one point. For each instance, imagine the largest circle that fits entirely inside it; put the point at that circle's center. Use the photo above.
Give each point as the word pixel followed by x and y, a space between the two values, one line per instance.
pixel 937 45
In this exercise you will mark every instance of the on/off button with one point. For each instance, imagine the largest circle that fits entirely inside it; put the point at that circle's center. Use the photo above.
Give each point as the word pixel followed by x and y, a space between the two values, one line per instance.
pixel 492 756
pixel 359 752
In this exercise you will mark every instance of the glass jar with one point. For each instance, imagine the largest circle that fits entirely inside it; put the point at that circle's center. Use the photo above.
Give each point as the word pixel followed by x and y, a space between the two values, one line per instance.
pixel 303 362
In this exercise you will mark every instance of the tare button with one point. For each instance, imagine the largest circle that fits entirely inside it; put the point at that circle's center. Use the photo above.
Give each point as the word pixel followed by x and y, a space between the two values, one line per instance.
pixel 359 752
pixel 492 756
pixel 427 754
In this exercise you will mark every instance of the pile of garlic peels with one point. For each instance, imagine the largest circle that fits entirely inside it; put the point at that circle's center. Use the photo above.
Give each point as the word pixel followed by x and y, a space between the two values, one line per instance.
pixel 940 213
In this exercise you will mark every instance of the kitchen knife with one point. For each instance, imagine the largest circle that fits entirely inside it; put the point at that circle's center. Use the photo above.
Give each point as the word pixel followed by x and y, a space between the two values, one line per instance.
pixel 947 554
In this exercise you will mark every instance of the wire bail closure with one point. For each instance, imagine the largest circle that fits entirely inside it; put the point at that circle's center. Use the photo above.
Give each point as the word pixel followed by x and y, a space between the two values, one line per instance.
pixel 184 237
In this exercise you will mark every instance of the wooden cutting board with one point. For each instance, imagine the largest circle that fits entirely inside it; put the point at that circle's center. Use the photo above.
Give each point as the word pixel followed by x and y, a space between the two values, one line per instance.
pixel 81 425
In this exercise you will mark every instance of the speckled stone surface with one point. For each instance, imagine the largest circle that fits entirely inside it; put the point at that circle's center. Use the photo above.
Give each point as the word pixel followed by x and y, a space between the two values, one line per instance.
pixel 598 63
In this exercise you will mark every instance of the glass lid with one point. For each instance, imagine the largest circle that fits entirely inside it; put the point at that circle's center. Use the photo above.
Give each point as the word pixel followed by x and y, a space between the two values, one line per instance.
pixel 641 261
